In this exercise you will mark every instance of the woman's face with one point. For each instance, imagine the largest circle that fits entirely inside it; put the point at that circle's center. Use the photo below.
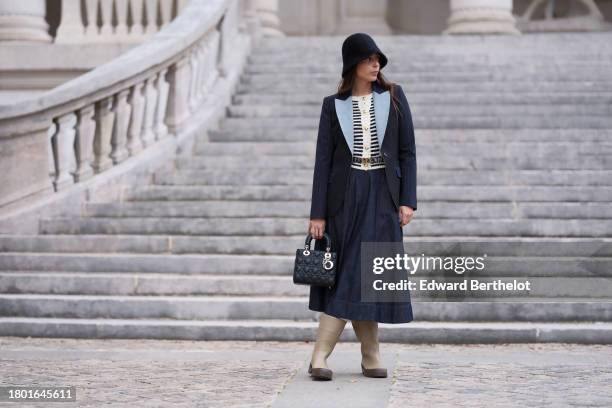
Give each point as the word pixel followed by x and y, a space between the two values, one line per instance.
pixel 368 68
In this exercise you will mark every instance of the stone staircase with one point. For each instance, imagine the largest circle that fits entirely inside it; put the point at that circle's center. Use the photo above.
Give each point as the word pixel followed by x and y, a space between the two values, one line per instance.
pixel 514 150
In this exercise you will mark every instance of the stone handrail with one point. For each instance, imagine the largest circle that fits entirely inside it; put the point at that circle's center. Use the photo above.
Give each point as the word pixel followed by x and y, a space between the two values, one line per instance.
pixel 103 117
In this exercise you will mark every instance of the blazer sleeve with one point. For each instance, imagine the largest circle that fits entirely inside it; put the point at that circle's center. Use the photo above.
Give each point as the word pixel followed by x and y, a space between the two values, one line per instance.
pixel 323 161
pixel 407 154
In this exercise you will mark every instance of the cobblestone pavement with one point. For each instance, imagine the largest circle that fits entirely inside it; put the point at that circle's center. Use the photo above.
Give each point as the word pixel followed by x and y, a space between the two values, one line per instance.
pixel 263 374
pixel 501 385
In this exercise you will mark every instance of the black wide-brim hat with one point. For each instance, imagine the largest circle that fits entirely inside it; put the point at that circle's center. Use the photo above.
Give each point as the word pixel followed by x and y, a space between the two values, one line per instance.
pixel 359 46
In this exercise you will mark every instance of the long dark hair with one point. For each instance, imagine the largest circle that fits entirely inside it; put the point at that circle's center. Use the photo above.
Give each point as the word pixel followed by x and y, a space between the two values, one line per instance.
pixel 347 82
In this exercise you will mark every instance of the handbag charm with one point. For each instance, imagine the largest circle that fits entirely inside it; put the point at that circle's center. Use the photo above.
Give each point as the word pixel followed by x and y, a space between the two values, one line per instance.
pixel 315 267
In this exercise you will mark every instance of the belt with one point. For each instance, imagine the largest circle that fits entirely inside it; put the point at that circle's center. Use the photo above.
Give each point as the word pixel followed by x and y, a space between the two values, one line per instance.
pixel 366 161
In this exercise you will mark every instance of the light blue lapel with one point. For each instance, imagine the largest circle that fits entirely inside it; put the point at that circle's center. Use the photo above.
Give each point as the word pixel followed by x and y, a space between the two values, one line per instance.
pixel 344 112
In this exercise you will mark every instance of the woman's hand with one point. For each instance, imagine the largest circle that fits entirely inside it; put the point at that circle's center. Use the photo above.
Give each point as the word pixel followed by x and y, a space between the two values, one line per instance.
pixel 405 214
pixel 317 227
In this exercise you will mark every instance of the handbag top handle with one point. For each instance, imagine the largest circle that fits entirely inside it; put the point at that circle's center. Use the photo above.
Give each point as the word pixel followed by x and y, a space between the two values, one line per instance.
pixel 309 239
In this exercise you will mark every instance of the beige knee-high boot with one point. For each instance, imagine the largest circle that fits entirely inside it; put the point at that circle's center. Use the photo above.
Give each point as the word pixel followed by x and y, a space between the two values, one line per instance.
pixel 328 333
pixel 367 333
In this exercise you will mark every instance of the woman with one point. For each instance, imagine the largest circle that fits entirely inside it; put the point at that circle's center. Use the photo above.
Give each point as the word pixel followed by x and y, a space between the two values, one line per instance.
pixel 364 190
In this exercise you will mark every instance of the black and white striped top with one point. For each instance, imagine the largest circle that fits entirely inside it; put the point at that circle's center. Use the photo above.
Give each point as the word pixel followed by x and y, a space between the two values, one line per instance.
pixel 365 141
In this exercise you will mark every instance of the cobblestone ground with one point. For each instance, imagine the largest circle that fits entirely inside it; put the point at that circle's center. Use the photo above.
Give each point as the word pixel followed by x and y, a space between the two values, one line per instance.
pixel 254 374
pixel 163 376
pixel 501 385
pixel 200 384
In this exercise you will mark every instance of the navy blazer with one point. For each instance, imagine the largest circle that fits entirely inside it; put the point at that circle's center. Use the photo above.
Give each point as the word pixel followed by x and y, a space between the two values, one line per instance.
pixel 334 150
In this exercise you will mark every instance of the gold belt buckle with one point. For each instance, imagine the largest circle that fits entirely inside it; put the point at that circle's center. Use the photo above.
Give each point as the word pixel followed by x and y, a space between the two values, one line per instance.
pixel 365 161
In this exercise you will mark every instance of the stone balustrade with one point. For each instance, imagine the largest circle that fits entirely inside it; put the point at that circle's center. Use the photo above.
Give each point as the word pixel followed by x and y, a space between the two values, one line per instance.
pixel 102 118
pixel 135 20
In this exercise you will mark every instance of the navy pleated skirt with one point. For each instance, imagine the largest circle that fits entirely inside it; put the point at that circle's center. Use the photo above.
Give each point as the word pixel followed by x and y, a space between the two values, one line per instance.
pixel 369 215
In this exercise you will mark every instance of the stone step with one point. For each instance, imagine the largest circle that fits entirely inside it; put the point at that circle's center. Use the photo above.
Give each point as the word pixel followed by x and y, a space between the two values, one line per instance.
pixel 295 177
pixel 237 124
pixel 289 209
pixel 285 244
pixel 545 40
pixel 447 158
pixel 451 98
pixel 426 193
pixel 401 76
pixel 269 265
pixel 156 284
pixel 328 88
pixel 407 47
pixel 291 308
pixel 276 140
pixel 132 284
pixel 432 42
pixel 434 147
pixel 294 145
pixel 309 111
pixel 457 54
pixel 283 330
pixel 302 67
pixel 452 227
pixel 398 65
pixel 192 263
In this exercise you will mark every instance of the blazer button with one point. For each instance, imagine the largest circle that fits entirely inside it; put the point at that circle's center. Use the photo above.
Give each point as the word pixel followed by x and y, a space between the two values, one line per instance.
pixel 385 153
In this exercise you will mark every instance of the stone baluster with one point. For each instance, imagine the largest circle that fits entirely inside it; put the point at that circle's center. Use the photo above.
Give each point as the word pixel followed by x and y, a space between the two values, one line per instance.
pixel 91 11
pixel 179 76
pixel 121 30
pixel 137 31
pixel 194 68
pixel 123 111
pixel 106 31
pixel 105 118
pixel 151 9
pixel 137 101
pixel 151 102
pixel 71 28
pixel 199 81
pixel 63 151
pixel 51 151
pixel 86 129
pixel 163 89
pixel 165 8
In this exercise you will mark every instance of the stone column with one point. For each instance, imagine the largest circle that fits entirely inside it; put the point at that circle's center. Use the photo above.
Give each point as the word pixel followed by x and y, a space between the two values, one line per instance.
pixel 23 21
pixel 267 11
pixel 481 17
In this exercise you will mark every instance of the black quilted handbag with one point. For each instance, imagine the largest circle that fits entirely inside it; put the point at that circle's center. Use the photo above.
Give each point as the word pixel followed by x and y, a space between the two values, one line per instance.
pixel 315 267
